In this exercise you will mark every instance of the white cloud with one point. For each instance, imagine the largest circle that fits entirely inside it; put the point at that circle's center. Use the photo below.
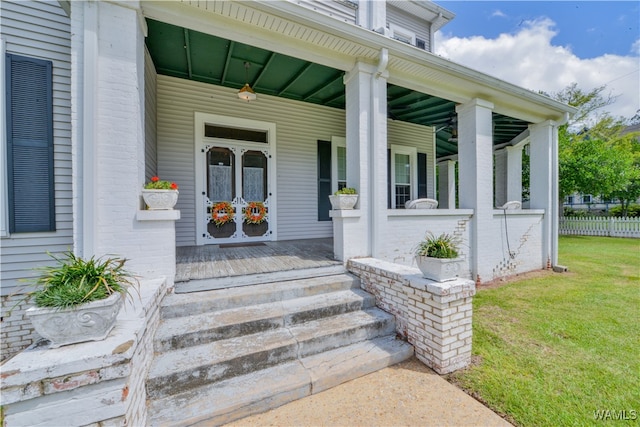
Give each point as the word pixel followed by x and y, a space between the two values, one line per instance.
pixel 529 59
pixel 499 14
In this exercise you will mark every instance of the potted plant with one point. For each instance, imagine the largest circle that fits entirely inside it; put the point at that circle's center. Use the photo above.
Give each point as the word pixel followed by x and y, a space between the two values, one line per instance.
pixel 159 194
pixel 78 300
pixel 437 257
pixel 345 198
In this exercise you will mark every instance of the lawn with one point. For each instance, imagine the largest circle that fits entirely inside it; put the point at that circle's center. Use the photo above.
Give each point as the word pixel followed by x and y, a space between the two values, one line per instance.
pixel 554 350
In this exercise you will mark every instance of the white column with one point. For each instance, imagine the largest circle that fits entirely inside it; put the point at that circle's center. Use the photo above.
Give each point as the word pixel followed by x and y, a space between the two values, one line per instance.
pixel 447 184
pixel 366 132
pixel 501 176
pixel 514 173
pixel 543 136
pixel 108 114
pixel 475 171
pixel 372 15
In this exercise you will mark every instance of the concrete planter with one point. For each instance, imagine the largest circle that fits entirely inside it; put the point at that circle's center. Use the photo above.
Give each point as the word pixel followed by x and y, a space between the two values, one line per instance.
pixel 439 269
pixel 343 201
pixel 160 199
pixel 87 322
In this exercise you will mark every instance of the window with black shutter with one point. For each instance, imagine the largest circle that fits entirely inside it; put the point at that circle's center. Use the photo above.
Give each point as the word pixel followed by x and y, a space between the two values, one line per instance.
pixel 30 178
pixel 324 180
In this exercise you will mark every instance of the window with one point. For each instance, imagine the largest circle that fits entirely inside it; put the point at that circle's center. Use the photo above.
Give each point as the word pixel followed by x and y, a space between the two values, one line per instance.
pixel 569 200
pixel 338 163
pixel 586 198
pixel 402 34
pixel 29 127
pixel 421 44
pixel 403 175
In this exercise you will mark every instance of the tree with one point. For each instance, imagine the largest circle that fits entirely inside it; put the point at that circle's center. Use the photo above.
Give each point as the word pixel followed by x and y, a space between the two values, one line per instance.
pixel 595 157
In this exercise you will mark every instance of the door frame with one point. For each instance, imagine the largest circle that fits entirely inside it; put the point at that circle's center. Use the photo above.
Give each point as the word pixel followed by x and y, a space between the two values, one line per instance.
pixel 200 119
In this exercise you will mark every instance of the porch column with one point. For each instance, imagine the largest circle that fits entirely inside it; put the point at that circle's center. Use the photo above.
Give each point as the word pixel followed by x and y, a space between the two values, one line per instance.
pixel 475 171
pixel 366 132
pixel 372 15
pixel 544 184
pixel 108 140
pixel 508 173
pixel 447 184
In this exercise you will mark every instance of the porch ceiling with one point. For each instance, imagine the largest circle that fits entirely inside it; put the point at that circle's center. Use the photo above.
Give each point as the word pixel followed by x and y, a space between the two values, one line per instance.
pixel 189 54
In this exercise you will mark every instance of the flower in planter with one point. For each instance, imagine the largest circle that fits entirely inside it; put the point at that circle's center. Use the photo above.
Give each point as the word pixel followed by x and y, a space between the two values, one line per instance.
pixel 157 184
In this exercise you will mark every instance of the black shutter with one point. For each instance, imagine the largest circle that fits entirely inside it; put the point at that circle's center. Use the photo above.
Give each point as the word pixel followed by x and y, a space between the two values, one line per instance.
pixel 422 175
pixel 389 160
pixel 324 180
pixel 30 144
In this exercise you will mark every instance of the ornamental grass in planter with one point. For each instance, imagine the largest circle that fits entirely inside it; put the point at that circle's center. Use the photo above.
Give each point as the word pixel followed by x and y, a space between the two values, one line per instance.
pixel 437 257
pixel 79 299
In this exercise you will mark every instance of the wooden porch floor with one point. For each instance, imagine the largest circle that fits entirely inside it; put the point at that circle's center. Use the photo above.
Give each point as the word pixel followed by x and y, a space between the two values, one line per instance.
pixel 214 261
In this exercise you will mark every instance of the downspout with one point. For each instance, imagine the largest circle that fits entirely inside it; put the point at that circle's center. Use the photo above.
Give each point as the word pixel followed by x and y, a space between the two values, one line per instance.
pixel 374 212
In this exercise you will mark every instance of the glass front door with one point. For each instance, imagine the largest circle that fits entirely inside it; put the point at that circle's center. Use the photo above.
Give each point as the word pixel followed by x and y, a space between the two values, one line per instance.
pixel 236 198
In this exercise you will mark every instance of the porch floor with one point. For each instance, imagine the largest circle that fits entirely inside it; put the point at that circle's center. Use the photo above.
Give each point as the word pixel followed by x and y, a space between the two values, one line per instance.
pixel 216 261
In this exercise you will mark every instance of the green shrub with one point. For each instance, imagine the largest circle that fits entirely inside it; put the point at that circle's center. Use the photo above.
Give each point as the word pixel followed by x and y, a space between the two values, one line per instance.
pixel 346 190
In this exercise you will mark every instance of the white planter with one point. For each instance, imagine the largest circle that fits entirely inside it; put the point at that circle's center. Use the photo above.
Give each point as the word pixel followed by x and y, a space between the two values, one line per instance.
pixel 439 269
pixel 87 322
pixel 343 201
pixel 160 199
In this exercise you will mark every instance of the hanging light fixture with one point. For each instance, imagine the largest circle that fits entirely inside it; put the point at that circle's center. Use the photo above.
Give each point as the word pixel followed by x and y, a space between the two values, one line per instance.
pixel 454 129
pixel 246 93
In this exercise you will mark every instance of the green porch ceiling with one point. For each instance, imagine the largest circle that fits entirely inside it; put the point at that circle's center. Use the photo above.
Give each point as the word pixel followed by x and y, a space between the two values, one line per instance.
pixel 188 54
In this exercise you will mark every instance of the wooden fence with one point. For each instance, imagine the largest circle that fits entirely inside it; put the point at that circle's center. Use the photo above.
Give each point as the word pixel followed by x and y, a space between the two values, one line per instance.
pixel 601 226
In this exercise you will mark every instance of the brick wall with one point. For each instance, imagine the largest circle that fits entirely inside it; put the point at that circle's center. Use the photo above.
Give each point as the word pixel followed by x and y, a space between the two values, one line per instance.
pixel 87 383
pixel 16 332
pixel 435 317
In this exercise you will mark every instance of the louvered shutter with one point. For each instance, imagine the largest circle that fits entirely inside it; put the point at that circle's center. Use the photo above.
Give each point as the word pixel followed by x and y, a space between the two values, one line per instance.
pixel 30 144
pixel 324 180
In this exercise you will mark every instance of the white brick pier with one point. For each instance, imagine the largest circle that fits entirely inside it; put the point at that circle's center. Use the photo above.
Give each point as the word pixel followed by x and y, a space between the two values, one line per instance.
pixel 435 317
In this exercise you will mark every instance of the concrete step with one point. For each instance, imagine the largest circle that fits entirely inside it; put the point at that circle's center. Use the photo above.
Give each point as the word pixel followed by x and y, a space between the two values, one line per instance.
pixel 180 370
pixel 200 285
pixel 181 332
pixel 177 305
pixel 259 391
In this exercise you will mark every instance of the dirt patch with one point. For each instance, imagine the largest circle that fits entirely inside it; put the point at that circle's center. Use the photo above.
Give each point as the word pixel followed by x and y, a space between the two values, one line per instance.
pixel 515 278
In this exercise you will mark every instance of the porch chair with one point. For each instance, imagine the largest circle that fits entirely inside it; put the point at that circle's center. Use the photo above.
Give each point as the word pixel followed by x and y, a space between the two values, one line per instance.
pixel 421 204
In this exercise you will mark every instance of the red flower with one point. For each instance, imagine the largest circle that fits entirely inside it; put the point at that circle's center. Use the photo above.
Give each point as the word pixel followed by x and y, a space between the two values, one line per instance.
pixel 174 186
pixel 155 178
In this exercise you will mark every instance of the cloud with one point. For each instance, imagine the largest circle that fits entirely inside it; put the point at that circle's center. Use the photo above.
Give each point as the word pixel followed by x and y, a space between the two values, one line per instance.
pixel 528 58
pixel 499 14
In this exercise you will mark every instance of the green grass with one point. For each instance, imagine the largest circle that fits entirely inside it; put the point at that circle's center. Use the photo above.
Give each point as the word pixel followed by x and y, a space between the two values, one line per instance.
pixel 551 350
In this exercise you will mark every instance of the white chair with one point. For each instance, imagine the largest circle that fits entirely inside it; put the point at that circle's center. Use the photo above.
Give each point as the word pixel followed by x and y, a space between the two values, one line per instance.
pixel 421 204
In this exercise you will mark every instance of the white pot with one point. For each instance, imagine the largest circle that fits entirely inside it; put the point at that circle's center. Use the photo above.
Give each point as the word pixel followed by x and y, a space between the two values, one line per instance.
pixel 160 199
pixel 439 269
pixel 87 322
pixel 343 201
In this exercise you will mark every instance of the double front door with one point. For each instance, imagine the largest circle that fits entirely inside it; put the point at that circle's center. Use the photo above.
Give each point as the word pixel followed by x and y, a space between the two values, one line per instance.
pixel 236 195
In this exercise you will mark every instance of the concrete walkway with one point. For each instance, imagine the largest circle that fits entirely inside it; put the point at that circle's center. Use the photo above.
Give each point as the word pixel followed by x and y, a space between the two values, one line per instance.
pixel 406 394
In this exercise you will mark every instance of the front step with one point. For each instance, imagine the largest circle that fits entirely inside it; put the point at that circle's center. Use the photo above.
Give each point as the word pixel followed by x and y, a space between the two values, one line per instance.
pixel 224 354
pixel 238 397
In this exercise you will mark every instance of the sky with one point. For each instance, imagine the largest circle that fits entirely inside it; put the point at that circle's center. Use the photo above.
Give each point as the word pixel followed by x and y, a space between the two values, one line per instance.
pixel 547 45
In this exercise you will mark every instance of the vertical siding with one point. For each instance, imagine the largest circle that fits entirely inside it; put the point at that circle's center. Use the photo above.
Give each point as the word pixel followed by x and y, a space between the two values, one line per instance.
pixel 339 9
pixel 402 19
pixel 299 126
pixel 150 126
pixel 421 137
pixel 41 29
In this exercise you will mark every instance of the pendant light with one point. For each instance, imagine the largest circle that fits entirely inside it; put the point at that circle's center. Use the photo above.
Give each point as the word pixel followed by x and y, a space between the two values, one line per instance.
pixel 246 93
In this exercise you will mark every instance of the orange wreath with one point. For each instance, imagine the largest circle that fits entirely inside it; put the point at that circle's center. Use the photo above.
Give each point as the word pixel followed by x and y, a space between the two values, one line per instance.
pixel 222 213
pixel 255 213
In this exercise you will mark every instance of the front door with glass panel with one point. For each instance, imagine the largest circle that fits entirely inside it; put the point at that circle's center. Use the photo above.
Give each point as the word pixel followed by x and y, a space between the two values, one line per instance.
pixel 235 199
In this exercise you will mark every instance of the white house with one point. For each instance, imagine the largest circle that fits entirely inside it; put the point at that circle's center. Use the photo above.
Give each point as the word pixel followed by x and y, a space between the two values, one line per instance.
pixel 99 96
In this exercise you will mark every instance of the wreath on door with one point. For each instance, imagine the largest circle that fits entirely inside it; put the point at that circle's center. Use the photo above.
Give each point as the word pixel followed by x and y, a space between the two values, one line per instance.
pixel 222 213
pixel 255 213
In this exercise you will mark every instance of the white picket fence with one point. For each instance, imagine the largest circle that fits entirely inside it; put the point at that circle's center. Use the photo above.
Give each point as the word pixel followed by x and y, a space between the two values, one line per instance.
pixel 599 226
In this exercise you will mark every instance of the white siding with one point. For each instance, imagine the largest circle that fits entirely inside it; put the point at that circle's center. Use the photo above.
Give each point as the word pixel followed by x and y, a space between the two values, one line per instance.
pixel 340 9
pixel 299 126
pixel 42 30
pixel 419 27
pixel 150 126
